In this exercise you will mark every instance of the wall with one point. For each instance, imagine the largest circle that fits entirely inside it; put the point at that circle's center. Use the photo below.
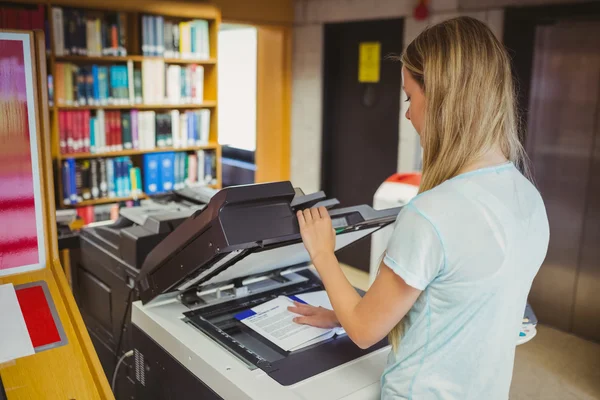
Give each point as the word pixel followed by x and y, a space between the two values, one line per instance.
pixel 307 60
pixel 257 11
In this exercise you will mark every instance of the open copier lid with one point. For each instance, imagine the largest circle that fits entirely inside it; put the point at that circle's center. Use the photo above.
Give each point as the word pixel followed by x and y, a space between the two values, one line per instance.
pixel 245 231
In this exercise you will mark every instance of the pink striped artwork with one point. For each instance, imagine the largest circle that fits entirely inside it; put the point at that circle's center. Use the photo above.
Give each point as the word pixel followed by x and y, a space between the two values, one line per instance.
pixel 21 225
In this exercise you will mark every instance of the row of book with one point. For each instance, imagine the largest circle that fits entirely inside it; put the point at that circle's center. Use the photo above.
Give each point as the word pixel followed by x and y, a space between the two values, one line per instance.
pixel 117 177
pixel 188 40
pixel 168 171
pixel 100 212
pixel 154 83
pixel 82 132
pixel 20 16
pixel 88 33
pixel 99 178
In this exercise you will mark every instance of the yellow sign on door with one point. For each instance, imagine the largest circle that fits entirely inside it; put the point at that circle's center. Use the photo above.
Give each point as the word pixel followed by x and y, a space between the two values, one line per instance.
pixel 369 56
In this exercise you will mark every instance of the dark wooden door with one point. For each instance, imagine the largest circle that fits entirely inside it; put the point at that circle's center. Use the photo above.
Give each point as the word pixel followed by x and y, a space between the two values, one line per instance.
pixel 360 119
pixel 563 143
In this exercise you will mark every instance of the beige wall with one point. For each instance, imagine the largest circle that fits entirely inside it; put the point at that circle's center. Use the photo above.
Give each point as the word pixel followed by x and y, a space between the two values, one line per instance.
pixel 257 11
pixel 310 16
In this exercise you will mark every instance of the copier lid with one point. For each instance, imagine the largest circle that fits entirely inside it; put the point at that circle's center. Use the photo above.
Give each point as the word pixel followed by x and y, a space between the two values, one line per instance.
pixel 243 231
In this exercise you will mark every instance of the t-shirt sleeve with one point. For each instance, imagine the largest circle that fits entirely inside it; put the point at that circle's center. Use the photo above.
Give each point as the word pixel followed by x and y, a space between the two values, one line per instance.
pixel 415 251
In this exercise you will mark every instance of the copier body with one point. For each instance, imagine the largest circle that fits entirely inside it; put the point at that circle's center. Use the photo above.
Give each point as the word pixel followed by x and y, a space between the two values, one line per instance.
pixel 243 249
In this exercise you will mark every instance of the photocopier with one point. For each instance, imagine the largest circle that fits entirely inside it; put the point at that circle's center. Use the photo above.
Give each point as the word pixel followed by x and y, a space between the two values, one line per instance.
pixel 241 250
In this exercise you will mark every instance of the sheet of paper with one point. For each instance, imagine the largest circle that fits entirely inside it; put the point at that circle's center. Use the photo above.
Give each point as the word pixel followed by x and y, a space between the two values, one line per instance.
pixel 319 299
pixel 273 321
pixel 14 337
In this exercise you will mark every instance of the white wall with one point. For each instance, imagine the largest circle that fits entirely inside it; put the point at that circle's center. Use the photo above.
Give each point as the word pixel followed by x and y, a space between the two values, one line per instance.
pixel 310 15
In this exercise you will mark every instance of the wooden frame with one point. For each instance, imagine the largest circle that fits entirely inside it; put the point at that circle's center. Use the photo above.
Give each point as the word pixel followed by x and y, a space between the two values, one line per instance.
pixel 72 370
pixel 273 109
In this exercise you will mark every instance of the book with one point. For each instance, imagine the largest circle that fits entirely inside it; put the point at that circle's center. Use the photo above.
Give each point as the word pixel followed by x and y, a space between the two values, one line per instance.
pixel 167 171
pixel 152 175
pixel 273 321
pixel 126 128
pixel 103 178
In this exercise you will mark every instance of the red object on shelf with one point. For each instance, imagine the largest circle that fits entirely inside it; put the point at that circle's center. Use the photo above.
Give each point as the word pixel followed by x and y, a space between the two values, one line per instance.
pixel 38 317
pixel 421 10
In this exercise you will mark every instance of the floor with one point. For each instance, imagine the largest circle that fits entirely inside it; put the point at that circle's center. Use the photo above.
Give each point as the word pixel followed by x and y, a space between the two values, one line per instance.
pixel 553 366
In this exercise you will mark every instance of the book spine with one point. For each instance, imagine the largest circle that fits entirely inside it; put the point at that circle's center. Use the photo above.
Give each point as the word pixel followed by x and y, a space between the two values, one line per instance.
pixel 110 177
pixel 168 39
pixel 92 133
pixel 81 131
pixel 160 37
pixel 62 129
pixel 168 129
pixel 199 84
pixel 103 85
pixel 66 182
pixel 100 131
pixel 108 131
pixel 81 89
pixel 95 184
pixel 89 87
pixel 122 17
pixel 130 83
pixel 69 131
pixel 86 131
pixel 175 139
pixel 144 35
pixel 113 84
pixel 89 37
pixel 135 143
pixel 126 128
pixel 176 52
pixel 58 31
pixel 152 36
pixel 103 181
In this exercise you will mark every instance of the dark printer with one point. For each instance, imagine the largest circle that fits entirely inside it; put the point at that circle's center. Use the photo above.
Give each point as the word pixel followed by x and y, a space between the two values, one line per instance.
pixel 105 267
pixel 243 249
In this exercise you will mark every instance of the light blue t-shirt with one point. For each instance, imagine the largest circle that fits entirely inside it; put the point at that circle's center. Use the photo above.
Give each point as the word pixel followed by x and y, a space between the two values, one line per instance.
pixel 473 246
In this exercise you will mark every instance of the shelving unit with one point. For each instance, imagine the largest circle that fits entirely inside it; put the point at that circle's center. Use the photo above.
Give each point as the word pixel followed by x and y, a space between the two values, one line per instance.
pixel 173 10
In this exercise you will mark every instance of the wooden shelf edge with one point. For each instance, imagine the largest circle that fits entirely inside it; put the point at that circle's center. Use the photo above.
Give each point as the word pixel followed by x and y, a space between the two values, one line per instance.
pixel 109 200
pixel 106 200
pixel 206 104
pixel 210 146
pixel 134 58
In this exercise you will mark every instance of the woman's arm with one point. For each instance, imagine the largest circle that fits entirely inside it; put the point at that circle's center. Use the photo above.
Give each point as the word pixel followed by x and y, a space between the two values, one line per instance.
pixel 366 320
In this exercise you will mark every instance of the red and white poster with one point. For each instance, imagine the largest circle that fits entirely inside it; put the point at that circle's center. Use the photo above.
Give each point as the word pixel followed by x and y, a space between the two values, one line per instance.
pixel 21 218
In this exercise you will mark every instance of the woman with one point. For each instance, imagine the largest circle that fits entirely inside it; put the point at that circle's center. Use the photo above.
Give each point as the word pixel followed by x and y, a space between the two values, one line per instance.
pixel 453 283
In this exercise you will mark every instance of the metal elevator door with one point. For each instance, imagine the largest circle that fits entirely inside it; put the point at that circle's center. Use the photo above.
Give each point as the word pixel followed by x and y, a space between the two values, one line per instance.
pixel 563 142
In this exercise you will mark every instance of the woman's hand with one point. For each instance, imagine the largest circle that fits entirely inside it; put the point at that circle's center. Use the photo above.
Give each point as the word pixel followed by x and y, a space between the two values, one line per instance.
pixel 317 232
pixel 314 316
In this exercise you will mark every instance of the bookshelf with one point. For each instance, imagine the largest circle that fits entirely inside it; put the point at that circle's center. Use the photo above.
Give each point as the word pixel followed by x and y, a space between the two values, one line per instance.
pixel 138 40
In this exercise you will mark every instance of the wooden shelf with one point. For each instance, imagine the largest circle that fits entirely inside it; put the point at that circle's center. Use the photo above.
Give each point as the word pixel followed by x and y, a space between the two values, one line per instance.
pixel 105 200
pixel 135 58
pixel 108 200
pixel 206 104
pixel 122 153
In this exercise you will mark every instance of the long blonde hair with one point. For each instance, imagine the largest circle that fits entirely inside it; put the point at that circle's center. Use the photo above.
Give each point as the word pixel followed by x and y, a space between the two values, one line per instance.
pixel 465 74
